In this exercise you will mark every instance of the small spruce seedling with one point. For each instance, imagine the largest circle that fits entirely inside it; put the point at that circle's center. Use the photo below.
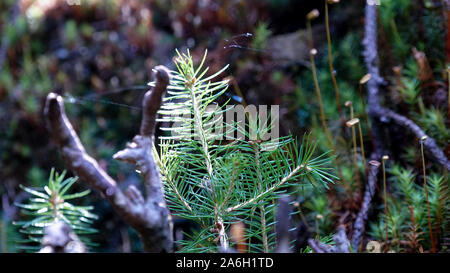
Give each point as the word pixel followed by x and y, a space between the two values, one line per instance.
pixel 51 204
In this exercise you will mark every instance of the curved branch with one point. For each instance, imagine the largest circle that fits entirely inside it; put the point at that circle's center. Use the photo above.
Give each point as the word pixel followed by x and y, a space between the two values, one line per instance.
pixel 75 156
pixel 386 115
pixel 377 113
pixel 150 217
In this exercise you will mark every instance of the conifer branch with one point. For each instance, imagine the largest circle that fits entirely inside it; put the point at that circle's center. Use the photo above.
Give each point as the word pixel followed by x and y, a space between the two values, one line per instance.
pixel 209 180
pixel 269 190
pixel 169 181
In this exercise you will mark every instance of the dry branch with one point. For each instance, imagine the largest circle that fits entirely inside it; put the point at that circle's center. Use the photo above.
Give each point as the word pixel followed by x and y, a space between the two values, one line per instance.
pixel 149 216
pixel 60 238
pixel 378 113
pixel 363 214
pixel 430 145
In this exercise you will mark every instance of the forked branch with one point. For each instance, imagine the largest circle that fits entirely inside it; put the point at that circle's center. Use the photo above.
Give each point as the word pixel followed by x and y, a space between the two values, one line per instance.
pixel 149 216
pixel 378 113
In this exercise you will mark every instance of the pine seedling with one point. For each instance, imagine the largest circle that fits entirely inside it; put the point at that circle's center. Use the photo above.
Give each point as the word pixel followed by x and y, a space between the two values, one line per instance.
pixel 49 205
pixel 216 182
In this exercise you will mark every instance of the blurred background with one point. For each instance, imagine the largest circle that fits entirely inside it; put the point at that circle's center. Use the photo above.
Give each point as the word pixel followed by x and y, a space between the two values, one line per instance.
pixel 99 56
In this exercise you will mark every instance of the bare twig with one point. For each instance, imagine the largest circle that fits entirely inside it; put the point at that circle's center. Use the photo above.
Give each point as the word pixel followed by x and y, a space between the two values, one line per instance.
pixel 341 241
pixel 319 247
pixel 379 114
pixel 361 218
pixel 371 60
pixel 429 144
pixel 150 216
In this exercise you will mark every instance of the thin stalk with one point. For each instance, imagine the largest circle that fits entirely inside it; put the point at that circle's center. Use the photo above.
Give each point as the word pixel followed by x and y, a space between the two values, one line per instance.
pixel 385 202
pixel 231 187
pixel 366 117
pixel 355 155
pixel 262 210
pixel 302 217
pixel 311 15
pixel 319 98
pixel 330 62
pixel 362 149
pixel 433 246
pixel 318 217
